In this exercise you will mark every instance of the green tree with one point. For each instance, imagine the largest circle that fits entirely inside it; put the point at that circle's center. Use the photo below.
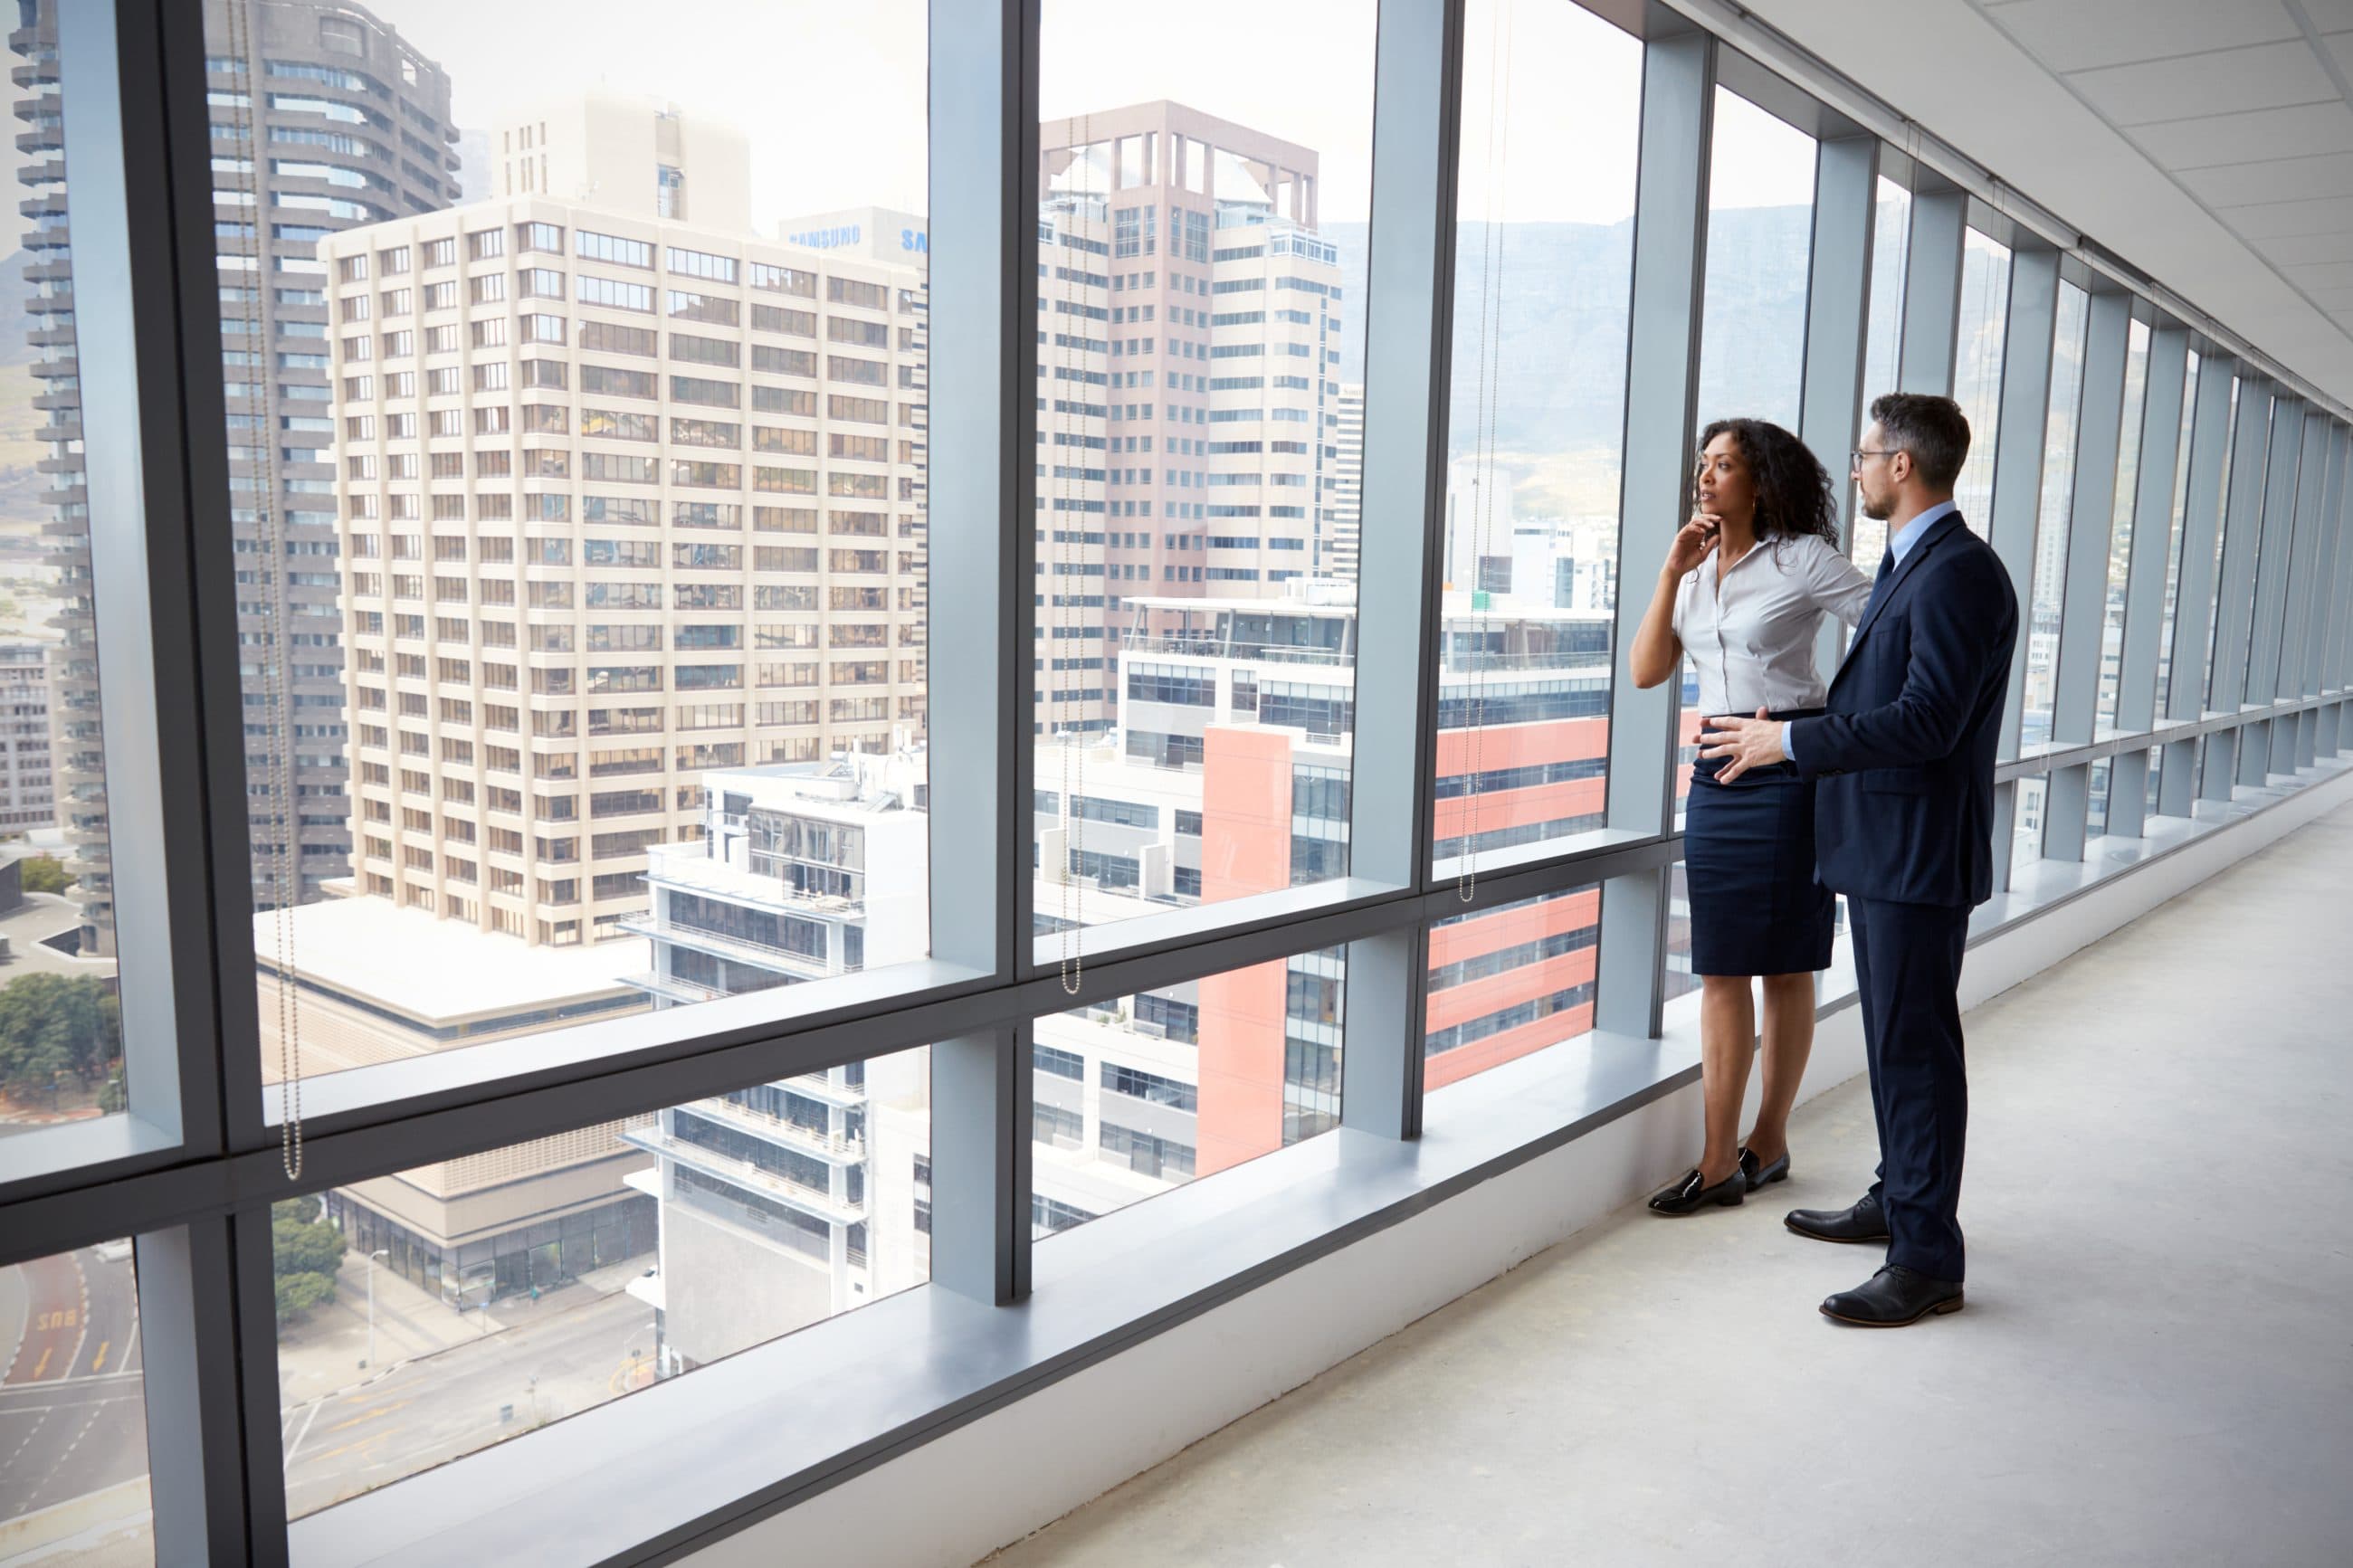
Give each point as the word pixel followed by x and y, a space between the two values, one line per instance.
pixel 305 1252
pixel 55 1023
pixel 42 874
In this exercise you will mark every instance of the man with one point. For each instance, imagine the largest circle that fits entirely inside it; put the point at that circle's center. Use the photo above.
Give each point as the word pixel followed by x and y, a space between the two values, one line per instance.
pixel 1904 825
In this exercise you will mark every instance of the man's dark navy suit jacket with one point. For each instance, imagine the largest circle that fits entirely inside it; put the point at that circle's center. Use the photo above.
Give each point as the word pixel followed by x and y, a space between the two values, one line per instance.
pixel 1905 753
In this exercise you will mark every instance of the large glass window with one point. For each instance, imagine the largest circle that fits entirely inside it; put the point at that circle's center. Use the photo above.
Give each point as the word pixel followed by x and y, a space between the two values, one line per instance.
pixel 2048 591
pixel 1200 311
pixel 447 614
pixel 73 1415
pixel 428 1314
pixel 1543 262
pixel 61 1054
pixel 1760 226
pixel 2178 553
pixel 1508 981
pixel 2120 544
pixel 1883 341
pixel 2211 698
pixel 1138 1094
pixel 1977 370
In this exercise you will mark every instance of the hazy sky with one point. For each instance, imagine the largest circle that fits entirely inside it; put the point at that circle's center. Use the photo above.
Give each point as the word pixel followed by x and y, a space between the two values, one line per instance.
pixel 831 92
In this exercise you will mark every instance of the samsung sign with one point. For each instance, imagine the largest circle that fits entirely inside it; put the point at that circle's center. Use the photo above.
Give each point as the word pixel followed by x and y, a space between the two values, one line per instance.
pixel 841 236
pixel 828 238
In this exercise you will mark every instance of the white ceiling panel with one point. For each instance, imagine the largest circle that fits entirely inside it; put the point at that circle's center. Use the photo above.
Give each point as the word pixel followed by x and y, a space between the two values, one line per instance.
pixel 2077 34
pixel 2274 220
pixel 2340 48
pixel 2234 186
pixel 2318 277
pixel 2251 137
pixel 2068 102
pixel 2266 76
pixel 2291 250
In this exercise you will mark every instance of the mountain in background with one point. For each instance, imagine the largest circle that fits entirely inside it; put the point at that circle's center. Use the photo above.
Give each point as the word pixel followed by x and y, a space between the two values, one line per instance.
pixel 1558 300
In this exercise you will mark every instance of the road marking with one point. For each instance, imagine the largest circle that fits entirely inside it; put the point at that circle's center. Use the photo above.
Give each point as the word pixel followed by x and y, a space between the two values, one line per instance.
pixel 47 1351
pixel 314 1416
pixel 97 1361
pixel 371 1414
pixel 326 1454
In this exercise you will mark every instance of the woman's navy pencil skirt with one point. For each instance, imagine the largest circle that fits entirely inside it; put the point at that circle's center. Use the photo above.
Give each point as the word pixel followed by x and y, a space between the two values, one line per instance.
pixel 1749 865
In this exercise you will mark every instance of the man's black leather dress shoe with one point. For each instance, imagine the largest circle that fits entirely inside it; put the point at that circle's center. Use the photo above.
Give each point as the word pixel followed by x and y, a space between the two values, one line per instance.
pixel 1893 1297
pixel 1692 1193
pixel 1764 1175
pixel 1864 1221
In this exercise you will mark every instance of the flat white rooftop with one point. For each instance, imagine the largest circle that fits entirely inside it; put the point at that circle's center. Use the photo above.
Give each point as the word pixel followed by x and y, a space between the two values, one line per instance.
pixel 438 971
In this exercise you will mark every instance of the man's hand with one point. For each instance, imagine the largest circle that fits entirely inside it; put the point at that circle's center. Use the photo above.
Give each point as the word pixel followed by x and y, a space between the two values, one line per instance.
pixel 1749 742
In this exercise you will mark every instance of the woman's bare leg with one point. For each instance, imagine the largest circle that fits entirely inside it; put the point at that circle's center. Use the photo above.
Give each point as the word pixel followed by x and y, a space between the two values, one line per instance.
pixel 1788 1041
pixel 1728 1037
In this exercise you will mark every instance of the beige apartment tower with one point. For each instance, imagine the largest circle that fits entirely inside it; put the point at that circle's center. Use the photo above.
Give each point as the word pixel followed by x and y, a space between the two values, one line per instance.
pixel 1190 325
pixel 622 500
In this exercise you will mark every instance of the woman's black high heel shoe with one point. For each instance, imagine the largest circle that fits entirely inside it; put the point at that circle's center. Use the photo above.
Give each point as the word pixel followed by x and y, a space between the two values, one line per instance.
pixel 1691 1194
pixel 1764 1175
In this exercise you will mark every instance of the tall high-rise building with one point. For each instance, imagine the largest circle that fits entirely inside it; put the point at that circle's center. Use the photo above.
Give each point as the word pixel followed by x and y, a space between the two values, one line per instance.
pixel 629 155
pixel 1339 544
pixel 625 500
pixel 1190 320
pixel 28 781
pixel 323 118
pixel 76 751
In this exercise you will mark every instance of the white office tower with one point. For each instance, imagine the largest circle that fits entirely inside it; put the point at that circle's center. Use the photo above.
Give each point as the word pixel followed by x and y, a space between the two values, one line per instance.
pixel 625 497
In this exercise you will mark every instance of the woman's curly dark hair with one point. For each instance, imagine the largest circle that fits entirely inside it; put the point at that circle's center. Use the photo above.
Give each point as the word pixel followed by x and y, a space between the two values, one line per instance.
pixel 1794 497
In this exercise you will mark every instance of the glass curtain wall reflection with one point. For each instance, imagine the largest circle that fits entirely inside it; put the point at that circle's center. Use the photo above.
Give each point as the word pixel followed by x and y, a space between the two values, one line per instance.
pixel 1543 271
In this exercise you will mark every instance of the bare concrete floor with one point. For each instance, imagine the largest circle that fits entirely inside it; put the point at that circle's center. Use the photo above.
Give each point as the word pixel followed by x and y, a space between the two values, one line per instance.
pixel 2156 1364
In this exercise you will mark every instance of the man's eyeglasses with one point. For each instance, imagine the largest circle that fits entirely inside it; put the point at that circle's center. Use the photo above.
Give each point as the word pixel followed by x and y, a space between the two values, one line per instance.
pixel 1855 456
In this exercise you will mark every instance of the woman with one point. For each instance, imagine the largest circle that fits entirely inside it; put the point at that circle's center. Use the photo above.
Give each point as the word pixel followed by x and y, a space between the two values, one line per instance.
pixel 1743 590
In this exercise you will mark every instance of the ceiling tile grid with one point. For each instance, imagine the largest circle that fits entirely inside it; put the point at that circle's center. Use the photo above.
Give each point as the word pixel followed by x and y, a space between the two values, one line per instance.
pixel 2244 104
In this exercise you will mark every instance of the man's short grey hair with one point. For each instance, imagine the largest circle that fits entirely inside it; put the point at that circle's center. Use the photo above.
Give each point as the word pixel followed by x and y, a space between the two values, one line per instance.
pixel 1933 429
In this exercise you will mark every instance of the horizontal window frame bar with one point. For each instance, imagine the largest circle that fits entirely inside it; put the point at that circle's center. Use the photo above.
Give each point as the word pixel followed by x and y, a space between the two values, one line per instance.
pixel 2043 760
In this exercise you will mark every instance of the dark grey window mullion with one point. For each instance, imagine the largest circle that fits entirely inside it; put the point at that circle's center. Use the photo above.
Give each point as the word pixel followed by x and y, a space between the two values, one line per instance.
pixel 1838 304
pixel 982 114
pixel 983 396
pixel 2243 531
pixel 2261 661
pixel 2312 625
pixel 1932 291
pixel 2193 598
pixel 2337 639
pixel 2019 458
pixel 2083 613
pixel 1409 321
pixel 141 541
pixel 1661 386
pixel 2292 735
pixel 2152 549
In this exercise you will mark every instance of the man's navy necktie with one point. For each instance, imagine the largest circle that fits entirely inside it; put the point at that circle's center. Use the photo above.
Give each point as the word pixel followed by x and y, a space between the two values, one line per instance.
pixel 1879 587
